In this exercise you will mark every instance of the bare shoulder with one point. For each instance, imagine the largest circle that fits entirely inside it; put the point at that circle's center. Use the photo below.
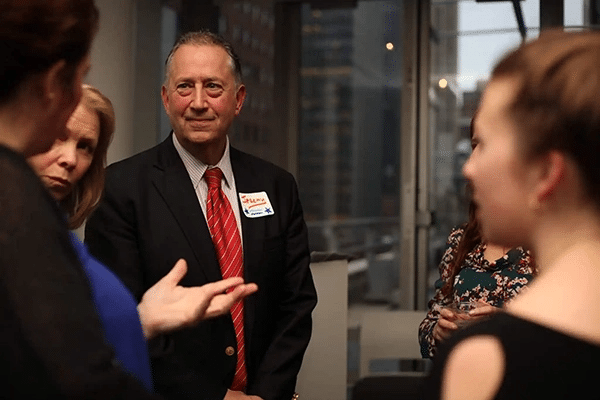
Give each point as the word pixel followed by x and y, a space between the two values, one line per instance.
pixel 474 369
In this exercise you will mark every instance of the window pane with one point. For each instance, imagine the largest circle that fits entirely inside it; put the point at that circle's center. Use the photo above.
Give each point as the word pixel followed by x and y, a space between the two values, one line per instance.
pixel 463 56
pixel 348 155
pixel 576 12
pixel 348 145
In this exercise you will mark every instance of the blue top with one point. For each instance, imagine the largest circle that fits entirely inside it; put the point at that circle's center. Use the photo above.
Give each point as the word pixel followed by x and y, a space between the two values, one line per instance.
pixel 117 309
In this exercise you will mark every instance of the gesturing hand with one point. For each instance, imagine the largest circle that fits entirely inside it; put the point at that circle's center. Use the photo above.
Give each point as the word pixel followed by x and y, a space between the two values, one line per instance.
pixel 166 306
pixel 235 395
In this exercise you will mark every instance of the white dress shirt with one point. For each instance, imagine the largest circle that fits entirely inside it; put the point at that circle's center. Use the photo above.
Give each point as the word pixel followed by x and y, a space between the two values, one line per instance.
pixel 196 169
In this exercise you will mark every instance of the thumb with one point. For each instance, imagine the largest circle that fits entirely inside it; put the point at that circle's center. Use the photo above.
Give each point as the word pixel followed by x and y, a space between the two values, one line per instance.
pixel 176 273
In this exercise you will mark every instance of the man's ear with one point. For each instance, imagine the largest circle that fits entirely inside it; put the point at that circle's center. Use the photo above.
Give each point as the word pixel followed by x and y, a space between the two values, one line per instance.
pixel 240 96
pixel 52 84
pixel 552 170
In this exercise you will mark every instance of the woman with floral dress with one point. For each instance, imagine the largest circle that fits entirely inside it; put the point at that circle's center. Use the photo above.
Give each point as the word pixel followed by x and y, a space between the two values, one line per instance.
pixel 473 271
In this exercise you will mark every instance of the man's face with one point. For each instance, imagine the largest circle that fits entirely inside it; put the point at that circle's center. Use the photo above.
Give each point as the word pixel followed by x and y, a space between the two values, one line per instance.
pixel 201 97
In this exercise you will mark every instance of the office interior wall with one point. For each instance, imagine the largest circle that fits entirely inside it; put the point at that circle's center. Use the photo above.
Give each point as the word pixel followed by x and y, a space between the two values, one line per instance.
pixel 113 69
pixel 148 71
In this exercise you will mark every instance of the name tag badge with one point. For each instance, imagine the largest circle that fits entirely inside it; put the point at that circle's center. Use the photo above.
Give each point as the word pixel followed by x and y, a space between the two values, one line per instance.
pixel 256 205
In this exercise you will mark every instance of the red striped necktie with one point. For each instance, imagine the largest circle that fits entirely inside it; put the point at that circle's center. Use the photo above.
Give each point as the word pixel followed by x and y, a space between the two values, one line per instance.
pixel 228 246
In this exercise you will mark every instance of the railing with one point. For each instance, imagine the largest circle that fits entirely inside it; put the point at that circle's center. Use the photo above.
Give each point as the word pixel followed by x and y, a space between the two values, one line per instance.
pixel 372 246
pixel 378 232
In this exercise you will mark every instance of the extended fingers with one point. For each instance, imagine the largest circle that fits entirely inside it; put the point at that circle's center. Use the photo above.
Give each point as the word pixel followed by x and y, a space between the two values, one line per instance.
pixel 223 285
pixel 244 290
pixel 237 294
pixel 221 303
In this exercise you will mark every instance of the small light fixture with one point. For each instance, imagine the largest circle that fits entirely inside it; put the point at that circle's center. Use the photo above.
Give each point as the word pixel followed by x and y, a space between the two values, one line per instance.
pixel 443 83
pixel 389 46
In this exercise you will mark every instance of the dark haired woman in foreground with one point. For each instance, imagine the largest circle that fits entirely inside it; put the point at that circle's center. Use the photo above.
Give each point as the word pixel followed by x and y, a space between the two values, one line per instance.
pixel 52 344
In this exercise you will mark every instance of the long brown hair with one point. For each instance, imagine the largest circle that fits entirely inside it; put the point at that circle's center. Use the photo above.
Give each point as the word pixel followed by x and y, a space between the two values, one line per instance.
pixel 85 197
pixel 471 236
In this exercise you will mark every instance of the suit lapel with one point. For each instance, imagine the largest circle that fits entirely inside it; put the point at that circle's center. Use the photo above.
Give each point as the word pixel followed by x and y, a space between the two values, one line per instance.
pixel 173 183
pixel 253 231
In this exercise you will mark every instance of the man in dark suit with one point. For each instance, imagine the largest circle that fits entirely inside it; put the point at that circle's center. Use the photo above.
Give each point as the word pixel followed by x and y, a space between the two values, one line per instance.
pixel 154 212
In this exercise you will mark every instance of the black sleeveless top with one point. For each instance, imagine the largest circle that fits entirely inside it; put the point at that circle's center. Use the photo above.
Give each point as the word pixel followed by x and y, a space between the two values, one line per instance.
pixel 541 363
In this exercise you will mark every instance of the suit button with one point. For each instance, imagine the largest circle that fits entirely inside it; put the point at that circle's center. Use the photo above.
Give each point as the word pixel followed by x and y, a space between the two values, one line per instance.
pixel 230 351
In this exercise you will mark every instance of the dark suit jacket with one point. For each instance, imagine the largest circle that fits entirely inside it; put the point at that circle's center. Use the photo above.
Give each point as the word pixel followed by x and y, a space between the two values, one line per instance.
pixel 150 217
pixel 52 344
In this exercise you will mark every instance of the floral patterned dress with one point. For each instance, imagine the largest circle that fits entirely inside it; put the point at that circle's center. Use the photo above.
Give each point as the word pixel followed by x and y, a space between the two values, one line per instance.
pixel 492 282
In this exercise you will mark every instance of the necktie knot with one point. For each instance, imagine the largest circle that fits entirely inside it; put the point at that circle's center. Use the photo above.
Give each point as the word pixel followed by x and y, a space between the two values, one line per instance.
pixel 213 177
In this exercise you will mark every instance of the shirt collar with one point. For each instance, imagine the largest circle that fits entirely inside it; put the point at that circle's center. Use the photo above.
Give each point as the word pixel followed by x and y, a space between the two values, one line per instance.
pixel 196 168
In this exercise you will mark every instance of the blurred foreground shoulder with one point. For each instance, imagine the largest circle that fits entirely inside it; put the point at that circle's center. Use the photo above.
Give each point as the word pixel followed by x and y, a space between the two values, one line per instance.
pixel 474 369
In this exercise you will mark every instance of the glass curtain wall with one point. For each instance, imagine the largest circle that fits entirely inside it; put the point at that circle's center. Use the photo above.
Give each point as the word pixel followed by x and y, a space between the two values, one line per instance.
pixel 348 154
pixel 350 87
pixel 467 38
pixel 461 60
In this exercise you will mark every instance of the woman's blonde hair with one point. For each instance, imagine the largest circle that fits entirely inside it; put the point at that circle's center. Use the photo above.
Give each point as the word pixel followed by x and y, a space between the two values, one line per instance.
pixel 86 194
